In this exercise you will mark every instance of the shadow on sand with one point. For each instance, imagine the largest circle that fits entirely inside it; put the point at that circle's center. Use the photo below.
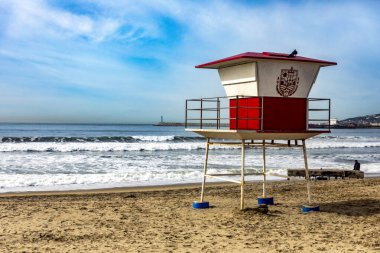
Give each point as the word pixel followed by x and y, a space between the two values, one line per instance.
pixel 358 207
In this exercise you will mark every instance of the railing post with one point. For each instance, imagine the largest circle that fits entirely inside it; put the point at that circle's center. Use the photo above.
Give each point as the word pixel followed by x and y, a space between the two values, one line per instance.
pixel 201 113
pixel 329 114
pixel 186 115
pixel 218 114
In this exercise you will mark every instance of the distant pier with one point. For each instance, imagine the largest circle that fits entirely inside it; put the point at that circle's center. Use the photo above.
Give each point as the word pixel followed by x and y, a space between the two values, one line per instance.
pixel 169 124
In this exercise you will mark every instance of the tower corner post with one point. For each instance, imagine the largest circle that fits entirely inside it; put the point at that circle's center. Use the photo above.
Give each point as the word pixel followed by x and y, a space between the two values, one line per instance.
pixel 264 170
pixel 242 174
pixel 205 168
pixel 307 174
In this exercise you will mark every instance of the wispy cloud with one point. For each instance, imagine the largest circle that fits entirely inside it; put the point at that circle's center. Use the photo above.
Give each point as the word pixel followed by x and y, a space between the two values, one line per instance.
pixel 134 59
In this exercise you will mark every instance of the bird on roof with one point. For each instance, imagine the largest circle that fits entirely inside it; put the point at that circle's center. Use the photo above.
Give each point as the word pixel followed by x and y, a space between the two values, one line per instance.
pixel 293 54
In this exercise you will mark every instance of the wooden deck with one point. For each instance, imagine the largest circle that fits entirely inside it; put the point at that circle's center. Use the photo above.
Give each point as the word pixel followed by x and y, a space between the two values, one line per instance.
pixel 326 173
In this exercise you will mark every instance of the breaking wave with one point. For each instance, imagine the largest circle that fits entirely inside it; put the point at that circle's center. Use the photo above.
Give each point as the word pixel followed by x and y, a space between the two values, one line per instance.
pixel 150 144
pixel 119 139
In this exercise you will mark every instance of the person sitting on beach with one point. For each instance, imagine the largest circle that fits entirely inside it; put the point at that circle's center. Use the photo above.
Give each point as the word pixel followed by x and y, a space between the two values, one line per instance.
pixel 356 165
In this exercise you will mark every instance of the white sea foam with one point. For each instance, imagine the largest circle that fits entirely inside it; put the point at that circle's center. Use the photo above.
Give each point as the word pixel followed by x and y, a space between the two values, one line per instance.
pixel 364 143
pixel 158 143
pixel 44 171
pixel 154 138
pixel 58 163
pixel 96 146
pixel 11 182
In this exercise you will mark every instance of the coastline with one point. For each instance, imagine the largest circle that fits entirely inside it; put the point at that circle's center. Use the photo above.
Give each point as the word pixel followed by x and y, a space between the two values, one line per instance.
pixel 161 219
pixel 67 157
pixel 130 189
pixel 127 189
pixel 147 188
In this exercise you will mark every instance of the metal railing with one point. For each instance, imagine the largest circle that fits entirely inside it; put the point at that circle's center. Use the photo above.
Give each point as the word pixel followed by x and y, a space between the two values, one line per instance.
pixel 321 119
pixel 216 112
pixel 221 113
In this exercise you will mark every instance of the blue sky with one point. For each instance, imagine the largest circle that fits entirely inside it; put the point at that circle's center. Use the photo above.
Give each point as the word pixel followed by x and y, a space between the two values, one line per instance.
pixel 127 61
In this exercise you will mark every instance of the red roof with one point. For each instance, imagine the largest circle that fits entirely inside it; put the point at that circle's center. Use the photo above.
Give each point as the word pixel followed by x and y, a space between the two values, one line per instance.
pixel 250 56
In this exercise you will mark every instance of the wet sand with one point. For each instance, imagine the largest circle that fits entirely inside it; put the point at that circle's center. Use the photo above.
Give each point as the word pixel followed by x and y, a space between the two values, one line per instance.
pixel 161 219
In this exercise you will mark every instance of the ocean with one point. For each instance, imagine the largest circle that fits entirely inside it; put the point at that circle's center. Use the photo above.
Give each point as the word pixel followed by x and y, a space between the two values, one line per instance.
pixel 38 157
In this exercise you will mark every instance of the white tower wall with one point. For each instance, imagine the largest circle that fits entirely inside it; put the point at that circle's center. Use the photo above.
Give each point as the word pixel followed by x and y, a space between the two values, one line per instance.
pixel 261 78
pixel 270 72
pixel 240 79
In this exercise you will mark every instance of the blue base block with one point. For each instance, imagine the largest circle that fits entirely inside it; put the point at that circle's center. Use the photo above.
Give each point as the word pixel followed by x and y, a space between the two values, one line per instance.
pixel 200 205
pixel 307 209
pixel 265 201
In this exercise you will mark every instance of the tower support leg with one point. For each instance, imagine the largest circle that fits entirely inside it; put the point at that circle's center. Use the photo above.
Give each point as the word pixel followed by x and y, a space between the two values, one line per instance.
pixel 242 174
pixel 310 206
pixel 264 170
pixel 264 200
pixel 202 204
pixel 205 168
pixel 307 174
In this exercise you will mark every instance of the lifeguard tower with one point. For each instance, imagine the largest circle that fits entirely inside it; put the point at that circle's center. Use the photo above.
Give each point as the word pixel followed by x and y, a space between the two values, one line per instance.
pixel 267 105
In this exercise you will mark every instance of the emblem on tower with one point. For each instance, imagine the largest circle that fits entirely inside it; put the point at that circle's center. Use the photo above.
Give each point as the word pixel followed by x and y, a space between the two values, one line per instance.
pixel 287 82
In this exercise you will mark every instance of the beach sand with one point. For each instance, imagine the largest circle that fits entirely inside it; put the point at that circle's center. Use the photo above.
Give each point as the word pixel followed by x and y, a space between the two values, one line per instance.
pixel 161 219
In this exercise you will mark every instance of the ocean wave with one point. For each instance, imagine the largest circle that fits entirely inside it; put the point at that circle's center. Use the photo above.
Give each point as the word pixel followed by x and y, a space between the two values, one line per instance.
pixel 9 182
pixel 159 138
pixel 97 147
pixel 343 138
pixel 150 146
pixel 118 139
pixel 341 144
pixel 154 143
pixel 41 182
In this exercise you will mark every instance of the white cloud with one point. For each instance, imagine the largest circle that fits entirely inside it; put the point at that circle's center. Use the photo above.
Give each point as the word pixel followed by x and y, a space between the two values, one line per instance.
pixel 33 19
pixel 46 39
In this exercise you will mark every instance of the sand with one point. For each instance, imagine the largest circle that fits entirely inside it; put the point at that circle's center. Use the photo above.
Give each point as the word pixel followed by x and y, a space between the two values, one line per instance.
pixel 161 219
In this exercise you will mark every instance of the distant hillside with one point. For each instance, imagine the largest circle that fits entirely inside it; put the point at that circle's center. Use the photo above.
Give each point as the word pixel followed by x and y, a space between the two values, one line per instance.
pixel 368 120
